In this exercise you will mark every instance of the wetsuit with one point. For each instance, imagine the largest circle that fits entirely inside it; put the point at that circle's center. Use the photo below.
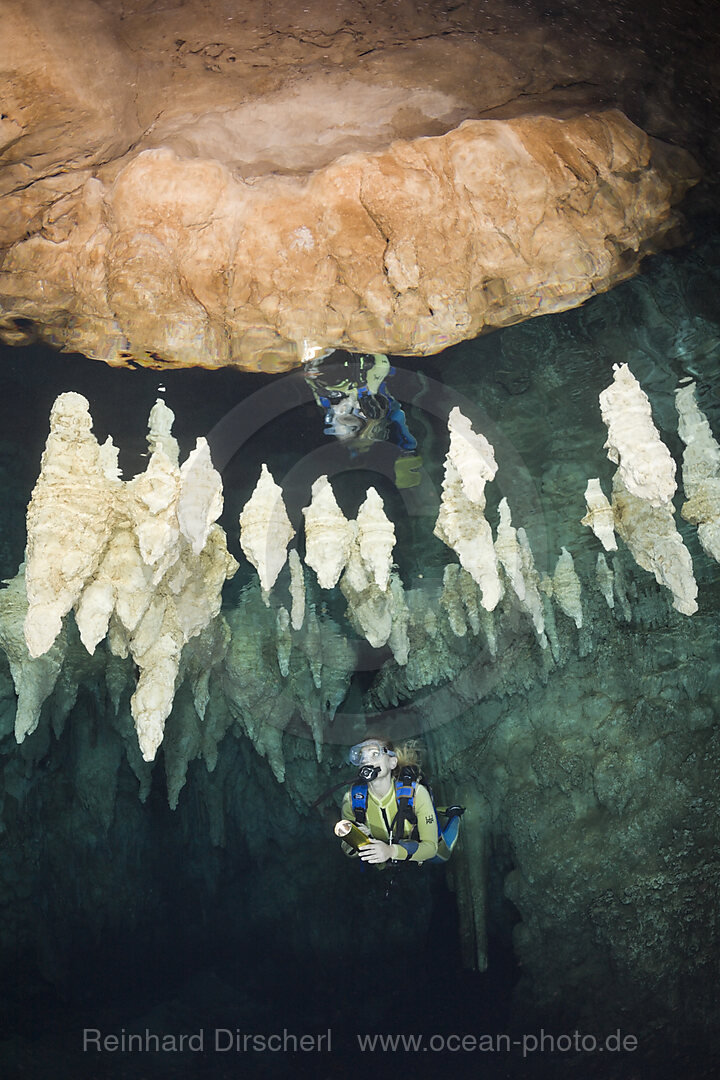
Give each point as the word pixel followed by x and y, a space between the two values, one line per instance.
pixel 380 815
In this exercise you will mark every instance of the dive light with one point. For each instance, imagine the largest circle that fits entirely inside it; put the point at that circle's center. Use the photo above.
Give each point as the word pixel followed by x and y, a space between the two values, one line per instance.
pixel 350 833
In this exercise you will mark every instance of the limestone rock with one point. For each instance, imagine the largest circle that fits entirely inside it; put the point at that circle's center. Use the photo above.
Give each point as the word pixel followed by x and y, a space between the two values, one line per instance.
pixel 169 197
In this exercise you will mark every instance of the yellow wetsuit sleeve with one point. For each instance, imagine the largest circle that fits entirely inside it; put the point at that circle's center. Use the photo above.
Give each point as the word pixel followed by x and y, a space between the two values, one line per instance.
pixel 427 829
pixel 348 815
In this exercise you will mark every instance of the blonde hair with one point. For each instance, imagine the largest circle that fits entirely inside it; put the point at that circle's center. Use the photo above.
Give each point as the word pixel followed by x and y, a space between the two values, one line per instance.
pixel 408 752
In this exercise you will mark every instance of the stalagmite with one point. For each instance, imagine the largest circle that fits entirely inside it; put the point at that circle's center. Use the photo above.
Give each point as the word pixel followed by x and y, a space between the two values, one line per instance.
pixel 604 577
pixel 567 588
pixel 297 590
pixel 550 626
pixel 461 523
pixel 265 530
pixel 328 535
pixel 369 608
pixel 600 517
pixel 644 463
pixel 700 470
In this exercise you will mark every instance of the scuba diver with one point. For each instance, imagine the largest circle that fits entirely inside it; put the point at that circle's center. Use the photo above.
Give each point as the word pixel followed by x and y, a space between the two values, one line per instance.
pixel 361 411
pixel 388 814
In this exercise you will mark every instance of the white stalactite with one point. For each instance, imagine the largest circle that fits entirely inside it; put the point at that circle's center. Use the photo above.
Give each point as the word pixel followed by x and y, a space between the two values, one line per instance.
pixel 201 502
pixel 604 577
pixel 472 455
pixel 700 471
pixel 265 530
pixel 70 520
pixel 567 589
pixel 644 463
pixel 142 562
pixel 34 678
pixel 643 487
pixel 533 601
pixel 375 539
pixel 508 550
pixel 600 517
pixel 328 535
pixel 297 590
pixel 461 523
pixel 656 545
pixel 160 436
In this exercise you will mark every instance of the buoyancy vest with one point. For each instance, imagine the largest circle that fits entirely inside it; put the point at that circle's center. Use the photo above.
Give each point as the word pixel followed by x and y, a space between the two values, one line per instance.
pixel 405 787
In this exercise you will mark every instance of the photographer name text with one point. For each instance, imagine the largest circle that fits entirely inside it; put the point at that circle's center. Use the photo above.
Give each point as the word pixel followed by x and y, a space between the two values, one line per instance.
pixel 215 1040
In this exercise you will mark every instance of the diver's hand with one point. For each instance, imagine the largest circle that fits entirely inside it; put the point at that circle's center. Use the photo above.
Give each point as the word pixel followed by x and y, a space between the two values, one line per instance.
pixel 377 851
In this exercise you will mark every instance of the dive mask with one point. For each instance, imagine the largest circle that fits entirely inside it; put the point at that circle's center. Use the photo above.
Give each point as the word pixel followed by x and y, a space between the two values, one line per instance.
pixel 369 752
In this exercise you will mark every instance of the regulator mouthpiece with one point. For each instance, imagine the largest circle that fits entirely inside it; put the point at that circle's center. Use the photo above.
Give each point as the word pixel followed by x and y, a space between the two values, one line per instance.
pixel 367 773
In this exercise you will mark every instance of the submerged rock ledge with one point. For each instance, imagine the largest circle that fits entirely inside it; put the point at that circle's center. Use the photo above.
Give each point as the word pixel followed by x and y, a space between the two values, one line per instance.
pixel 261 232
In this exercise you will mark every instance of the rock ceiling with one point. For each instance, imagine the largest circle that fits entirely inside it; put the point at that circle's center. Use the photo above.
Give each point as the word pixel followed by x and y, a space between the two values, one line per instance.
pixel 208 182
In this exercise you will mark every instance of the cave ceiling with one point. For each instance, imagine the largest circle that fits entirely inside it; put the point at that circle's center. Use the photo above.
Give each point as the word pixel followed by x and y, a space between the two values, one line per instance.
pixel 218 183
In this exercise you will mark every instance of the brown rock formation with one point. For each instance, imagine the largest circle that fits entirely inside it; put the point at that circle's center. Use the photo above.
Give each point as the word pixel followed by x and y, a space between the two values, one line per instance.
pixel 185 183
